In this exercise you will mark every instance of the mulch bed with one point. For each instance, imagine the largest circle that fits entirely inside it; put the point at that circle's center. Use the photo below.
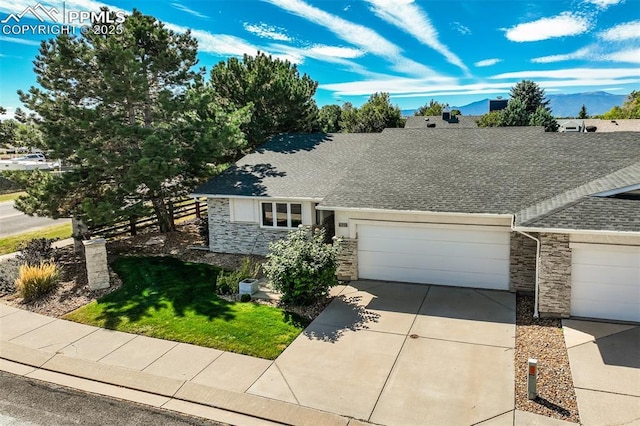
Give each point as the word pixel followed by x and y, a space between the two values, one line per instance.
pixel 543 340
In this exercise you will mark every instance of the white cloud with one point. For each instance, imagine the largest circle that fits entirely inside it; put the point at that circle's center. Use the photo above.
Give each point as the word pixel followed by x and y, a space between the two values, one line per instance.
pixel 604 3
pixel 487 62
pixel 337 52
pixel 19 41
pixel 358 35
pixel 626 31
pixel 631 56
pixel 408 88
pixel 189 11
pixel 578 54
pixel 569 73
pixel 462 29
pixel 565 24
pixel 267 31
pixel 218 44
pixel 413 20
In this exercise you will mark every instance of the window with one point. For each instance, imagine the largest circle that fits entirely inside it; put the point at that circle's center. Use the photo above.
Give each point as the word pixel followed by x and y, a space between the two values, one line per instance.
pixel 281 215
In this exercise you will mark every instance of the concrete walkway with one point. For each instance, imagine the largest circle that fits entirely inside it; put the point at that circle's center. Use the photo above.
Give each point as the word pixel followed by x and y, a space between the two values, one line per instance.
pixel 605 363
pixel 387 353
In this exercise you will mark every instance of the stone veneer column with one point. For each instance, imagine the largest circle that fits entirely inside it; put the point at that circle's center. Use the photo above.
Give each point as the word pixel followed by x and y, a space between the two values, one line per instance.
pixel 347 259
pixel 555 276
pixel 522 263
pixel 95 253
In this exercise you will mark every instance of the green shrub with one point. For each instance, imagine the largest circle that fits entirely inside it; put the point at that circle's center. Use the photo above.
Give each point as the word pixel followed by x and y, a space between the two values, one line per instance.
pixel 245 298
pixel 227 282
pixel 302 266
pixel 35 281
pixel 36 251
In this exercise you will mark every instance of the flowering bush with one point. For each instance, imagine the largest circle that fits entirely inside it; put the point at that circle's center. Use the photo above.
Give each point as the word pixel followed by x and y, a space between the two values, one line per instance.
pixel 302 266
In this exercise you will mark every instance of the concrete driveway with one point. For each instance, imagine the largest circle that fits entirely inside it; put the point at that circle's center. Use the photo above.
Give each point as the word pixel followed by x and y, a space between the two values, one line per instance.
pixel 605 363
pixel 403 354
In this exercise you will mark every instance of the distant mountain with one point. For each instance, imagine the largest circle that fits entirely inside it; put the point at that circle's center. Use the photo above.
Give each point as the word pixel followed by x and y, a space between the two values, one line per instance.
pixel 596 103
pixel 562 105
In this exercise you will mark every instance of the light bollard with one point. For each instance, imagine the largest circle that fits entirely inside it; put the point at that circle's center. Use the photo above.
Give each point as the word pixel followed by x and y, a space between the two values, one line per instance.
pixel 532 379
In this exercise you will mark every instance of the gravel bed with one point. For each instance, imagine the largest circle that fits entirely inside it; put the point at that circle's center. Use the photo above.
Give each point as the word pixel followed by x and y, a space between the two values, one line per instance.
pixel 542 339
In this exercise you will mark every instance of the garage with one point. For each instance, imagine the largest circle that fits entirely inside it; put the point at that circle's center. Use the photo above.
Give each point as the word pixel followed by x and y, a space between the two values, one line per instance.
pixel 605 281
pixel 466 256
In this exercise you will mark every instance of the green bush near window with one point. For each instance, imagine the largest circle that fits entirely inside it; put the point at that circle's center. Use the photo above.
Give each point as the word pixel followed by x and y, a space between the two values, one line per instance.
pixel 302 266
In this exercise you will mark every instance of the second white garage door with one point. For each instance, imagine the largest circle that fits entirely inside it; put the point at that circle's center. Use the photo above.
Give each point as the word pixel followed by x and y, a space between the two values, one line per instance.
pixel 461 256
pixel 605 281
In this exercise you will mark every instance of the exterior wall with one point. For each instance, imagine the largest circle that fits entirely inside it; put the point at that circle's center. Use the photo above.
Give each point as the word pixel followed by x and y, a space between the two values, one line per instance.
pixel 241 238
pixel 522 263
pixel 349 231
pixel 347 259
pixel 555 276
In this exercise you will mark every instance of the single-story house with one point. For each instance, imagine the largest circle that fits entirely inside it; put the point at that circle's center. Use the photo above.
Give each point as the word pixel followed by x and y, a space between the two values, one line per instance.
pixel 514 209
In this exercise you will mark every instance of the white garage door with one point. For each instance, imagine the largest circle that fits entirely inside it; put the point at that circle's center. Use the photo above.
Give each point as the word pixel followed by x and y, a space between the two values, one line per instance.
pixel 605 282
pixel 466 257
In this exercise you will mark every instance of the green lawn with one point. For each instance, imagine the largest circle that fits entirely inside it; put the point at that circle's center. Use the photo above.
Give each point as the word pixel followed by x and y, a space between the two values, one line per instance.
pixel 166 298
pixel 11 196
pixel 10 244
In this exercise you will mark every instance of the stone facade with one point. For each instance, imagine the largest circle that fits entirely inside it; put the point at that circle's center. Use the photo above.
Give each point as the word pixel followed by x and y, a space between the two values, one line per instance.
pixel 347 259
pixel 240 238
pixel 95 252
pixel 555 276
pixel 522 263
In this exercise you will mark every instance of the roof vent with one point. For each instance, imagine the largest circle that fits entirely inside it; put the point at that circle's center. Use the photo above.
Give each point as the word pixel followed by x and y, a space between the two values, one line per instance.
pixel 591 129
pixel 430 125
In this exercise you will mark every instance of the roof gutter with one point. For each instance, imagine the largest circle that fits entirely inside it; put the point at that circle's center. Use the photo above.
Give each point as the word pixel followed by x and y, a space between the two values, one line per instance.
pixel 417 212
pixel 572 231
pixel 536 314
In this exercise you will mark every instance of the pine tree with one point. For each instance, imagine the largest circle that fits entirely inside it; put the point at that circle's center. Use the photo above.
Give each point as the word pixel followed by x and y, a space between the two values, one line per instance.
pixel 432 108
pixel 281 98
pixel 583 112
pixel 375 115
pixel 531 95
pixel 542 117
pixel 329 118
pixel 129 116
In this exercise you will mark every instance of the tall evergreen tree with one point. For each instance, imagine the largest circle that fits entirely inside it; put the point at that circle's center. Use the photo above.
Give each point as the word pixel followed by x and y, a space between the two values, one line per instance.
pixel 374 116
pixel 515 114
pixel 583 112
pixel 531 95
pixel 329 118
pixel 130 117
pixel 432 108
pixel 542 117
pixel 281 98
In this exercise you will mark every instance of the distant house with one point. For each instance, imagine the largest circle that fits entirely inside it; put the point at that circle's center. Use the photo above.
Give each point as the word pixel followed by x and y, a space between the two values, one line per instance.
pixel 513 209
pixel 497 104
pixel 576 125
pixel 619 125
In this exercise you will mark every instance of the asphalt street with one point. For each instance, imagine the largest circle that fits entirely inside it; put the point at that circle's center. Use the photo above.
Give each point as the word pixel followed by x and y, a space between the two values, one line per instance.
pixel 14 222
pixel 29 402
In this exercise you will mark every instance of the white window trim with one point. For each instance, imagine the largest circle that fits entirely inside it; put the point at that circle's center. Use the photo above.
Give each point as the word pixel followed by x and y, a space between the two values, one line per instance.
pixel 273 210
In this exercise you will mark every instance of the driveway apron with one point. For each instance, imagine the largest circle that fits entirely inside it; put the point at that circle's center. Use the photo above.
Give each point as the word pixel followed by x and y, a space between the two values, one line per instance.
pixel 403 354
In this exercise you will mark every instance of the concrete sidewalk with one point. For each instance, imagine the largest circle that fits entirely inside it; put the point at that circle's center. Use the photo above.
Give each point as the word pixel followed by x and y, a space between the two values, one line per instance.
pixel 605 363
pixel 377 353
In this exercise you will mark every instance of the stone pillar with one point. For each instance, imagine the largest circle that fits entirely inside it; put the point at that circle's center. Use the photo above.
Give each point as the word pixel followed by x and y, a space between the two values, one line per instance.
pixel 95 252
pixel 79 232
pixel 522 263
pixel 347 259
pixel 555 276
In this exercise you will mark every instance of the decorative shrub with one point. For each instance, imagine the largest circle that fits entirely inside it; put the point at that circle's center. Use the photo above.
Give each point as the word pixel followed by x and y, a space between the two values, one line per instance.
pixel 35 281
pixel 227 282
pixel 302 266
pixel 8 275
pixel 36 251
pixel 245 298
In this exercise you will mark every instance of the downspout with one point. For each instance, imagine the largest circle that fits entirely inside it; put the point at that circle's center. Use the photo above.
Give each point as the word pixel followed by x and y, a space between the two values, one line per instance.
pixel 536 287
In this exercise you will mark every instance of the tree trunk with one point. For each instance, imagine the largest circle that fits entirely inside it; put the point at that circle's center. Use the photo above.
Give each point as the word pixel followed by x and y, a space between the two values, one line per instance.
pixel 165 219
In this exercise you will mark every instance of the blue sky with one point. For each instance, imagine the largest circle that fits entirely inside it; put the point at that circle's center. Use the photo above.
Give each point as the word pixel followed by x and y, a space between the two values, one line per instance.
pixel 451 51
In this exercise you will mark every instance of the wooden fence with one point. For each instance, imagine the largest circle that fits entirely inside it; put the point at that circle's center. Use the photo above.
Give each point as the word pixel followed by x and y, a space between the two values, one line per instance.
pixel 178 209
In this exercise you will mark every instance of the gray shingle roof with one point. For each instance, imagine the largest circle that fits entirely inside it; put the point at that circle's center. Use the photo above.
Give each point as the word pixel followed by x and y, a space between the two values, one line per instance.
pixel 494 170
pixel 593 213
pixel 302 165
pixel 619 179
pixel 421 122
